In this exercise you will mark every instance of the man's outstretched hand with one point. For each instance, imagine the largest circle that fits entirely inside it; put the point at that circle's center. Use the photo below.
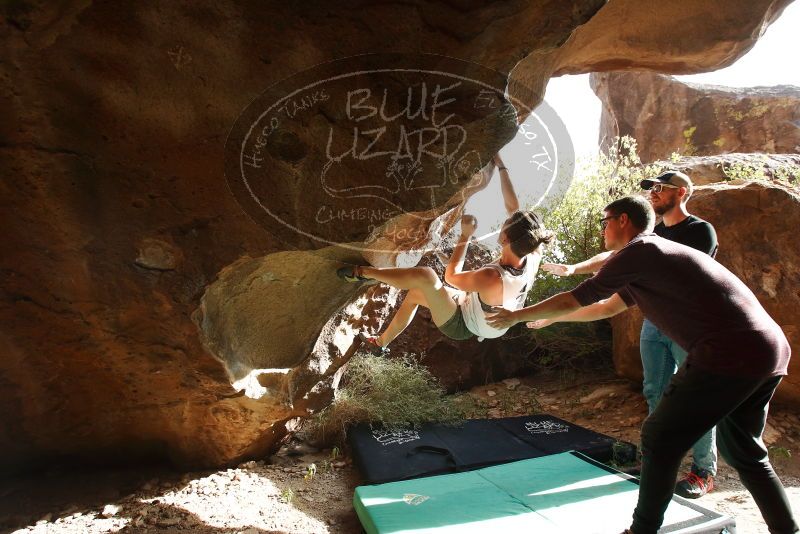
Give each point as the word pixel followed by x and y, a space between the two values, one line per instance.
pixel 468 225
pixel 558 269
pixel 501 318
pixel 540 323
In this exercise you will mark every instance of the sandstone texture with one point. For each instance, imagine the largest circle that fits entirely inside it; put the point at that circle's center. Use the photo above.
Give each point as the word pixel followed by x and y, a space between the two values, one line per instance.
pixel 667 116
pixel 141 290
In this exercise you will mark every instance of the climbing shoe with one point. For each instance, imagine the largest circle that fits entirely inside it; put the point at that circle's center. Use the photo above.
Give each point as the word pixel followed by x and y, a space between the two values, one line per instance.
pixel 350 274
pixel 371 345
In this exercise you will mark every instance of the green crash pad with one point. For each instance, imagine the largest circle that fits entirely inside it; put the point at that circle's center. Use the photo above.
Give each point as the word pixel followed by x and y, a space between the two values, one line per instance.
pixel 561 493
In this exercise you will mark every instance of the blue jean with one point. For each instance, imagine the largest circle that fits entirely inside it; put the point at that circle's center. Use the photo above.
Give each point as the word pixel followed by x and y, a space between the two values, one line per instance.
pixel 661 358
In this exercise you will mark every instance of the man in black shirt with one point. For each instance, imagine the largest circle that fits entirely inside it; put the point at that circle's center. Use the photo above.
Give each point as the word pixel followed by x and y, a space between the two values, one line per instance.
pixel 669 193
pixel 661 356
pixel 737 357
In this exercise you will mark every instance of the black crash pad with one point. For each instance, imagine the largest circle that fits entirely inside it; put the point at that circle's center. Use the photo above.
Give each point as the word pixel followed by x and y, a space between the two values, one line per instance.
pixel 389 455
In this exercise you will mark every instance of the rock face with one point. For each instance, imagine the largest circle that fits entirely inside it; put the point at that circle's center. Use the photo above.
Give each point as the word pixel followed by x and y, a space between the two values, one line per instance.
pixel 666 116
pixel 759 245
pixel 254 297
pixel 120 227
pixel 712 169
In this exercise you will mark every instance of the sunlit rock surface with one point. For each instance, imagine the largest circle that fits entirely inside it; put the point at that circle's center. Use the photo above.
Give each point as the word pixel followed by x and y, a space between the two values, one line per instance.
pixel 667 116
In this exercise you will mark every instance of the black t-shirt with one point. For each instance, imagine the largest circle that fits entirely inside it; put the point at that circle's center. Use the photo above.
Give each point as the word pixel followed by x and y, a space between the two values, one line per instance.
pixel 695 301
pixel 693 232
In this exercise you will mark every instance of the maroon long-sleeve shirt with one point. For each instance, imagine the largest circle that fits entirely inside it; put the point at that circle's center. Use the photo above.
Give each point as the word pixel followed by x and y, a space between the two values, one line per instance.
pixel 695 301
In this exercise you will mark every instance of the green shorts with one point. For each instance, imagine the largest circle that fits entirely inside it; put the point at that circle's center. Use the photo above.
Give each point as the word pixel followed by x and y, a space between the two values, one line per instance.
pixel 455 327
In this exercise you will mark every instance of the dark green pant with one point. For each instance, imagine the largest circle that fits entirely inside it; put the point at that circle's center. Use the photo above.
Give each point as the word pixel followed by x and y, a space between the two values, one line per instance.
pixel 692 404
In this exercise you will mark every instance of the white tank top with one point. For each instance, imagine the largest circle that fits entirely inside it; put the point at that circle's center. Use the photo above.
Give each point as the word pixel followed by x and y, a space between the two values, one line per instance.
pixel 515 289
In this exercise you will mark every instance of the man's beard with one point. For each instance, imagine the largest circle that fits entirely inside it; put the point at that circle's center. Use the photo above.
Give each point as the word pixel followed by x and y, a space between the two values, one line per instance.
pixel 664 208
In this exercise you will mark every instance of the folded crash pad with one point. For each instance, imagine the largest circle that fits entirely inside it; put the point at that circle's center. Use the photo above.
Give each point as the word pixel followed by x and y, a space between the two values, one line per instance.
pixel 556 494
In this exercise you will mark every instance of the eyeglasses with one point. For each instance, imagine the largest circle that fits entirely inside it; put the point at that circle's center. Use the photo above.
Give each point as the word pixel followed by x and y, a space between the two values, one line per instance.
pixel 604 221
pixel 657 188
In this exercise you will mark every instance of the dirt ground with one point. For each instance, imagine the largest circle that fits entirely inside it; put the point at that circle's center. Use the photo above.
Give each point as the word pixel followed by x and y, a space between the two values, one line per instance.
pixel 304 490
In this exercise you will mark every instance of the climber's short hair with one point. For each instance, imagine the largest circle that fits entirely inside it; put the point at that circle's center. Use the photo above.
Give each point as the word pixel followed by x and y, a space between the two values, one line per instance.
pixel 525 232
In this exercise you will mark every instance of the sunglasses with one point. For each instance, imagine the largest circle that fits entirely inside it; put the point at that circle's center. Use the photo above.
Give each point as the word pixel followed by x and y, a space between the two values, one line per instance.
pixel 604 221
pixel 657 188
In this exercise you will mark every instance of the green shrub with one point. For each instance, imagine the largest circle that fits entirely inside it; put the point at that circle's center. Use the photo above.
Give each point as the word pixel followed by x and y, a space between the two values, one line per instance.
pixel 757 170
pixel 576 222
pixel 391 392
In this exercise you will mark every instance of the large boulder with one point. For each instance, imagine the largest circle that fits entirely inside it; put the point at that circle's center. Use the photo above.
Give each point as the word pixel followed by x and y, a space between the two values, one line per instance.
pixel 667 116
pixel 282 345
pixel 757 228
pixel 725 167
pixel 120 226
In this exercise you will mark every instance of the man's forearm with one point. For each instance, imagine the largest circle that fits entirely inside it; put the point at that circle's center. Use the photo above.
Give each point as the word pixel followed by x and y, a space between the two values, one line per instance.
pixel 586 314
pixel 555 306
pixel 593 264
